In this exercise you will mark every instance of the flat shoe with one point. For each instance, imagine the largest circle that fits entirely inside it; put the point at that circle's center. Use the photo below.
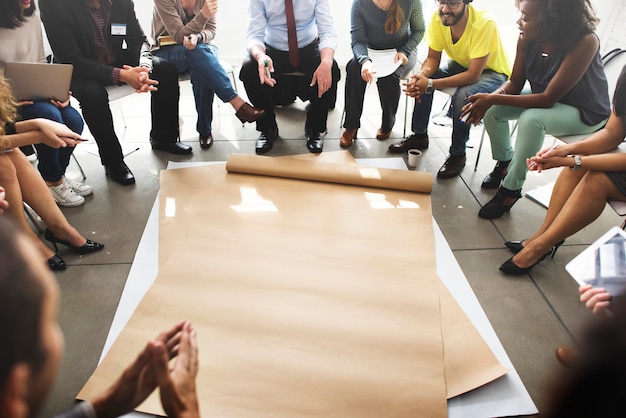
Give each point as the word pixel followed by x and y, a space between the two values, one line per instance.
pixel 347 138
pixel 382 135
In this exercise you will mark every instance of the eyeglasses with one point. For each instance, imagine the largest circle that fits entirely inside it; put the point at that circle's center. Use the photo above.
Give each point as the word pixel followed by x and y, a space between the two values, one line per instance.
pixel 452 4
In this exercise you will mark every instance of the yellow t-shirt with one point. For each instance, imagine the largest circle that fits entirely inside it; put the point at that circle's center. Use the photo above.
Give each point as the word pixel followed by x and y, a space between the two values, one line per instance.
pixel 480 38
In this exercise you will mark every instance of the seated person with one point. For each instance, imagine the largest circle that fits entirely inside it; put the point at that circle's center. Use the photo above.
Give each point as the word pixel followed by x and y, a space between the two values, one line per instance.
pixel 581 192
pixel 302 40
pixel 559 55
pixel 33 344
pixel 401 28
pixel 21 40
pixel 22 182
pixel 191 25
pixel 478 64
pixel 102 39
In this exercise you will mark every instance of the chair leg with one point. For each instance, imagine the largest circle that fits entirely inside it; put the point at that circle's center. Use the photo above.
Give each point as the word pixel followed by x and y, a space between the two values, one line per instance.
pixel 33 220
pixel 406 113
pixel 80 168
pixel 480 148
pixel 624 225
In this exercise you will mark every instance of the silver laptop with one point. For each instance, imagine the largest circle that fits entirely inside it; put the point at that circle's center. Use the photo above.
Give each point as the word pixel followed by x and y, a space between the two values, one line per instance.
pixel 39 81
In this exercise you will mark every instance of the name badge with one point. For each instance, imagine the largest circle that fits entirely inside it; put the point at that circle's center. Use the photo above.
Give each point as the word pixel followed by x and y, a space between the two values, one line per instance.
pixel 118 29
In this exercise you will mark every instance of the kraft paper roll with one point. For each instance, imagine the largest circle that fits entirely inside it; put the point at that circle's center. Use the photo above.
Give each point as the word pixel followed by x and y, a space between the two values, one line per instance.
pixel 412 181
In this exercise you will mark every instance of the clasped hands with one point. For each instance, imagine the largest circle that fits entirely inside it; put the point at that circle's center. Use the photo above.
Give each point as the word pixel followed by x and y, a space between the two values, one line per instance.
pixel 151 369
pixel 138 78
pixel 322 76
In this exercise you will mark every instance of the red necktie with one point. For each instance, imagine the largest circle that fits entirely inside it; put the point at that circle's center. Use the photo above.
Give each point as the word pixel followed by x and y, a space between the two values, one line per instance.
pixel 292 36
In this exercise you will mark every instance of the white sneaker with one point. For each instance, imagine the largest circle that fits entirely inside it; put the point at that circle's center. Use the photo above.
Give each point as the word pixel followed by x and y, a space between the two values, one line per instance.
pixel 65 196
pixel 79 188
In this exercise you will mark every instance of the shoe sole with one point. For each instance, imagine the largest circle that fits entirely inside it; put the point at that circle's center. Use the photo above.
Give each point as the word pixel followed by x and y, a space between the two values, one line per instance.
pixel 70 204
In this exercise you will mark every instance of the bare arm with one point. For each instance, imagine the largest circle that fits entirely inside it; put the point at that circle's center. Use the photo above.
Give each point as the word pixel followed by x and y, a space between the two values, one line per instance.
pixel 594 149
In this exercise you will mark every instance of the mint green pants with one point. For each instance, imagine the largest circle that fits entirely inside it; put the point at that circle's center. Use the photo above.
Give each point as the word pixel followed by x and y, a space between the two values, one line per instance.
pixel 533 125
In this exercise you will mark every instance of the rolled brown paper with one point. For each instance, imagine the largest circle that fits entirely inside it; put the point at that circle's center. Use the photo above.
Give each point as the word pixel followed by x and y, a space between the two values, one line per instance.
pixel 384 178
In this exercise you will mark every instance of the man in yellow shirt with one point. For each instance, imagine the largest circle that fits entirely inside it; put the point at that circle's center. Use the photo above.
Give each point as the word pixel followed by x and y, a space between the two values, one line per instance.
pixel 477 64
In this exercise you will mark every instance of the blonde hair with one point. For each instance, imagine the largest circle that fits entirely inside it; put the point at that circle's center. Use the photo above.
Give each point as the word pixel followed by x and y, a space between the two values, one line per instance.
pixel 8 107
pixel 395 17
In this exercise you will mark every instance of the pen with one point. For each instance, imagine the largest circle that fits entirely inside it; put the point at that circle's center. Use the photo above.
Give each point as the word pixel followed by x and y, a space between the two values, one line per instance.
pixel 268 75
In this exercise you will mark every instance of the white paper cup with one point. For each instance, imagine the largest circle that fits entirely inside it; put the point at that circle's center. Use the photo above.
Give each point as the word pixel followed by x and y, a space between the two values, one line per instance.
pixel 414 155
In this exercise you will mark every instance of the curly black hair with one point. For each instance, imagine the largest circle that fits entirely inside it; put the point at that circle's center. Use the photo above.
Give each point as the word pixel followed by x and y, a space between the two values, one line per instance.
pixel 564 21
pixel 11 15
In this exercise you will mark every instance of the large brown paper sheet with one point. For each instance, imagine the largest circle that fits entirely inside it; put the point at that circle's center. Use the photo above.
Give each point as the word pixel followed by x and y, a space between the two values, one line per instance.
pixel 468 361
pixel 310 299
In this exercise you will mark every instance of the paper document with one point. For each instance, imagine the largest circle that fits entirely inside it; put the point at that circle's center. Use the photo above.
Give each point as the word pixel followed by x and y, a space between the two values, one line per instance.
pixel 383 61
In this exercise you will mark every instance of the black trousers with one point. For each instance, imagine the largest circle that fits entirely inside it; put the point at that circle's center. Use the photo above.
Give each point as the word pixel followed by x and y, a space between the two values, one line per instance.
pixel 94 102
pixel 290 86
pixel 389 92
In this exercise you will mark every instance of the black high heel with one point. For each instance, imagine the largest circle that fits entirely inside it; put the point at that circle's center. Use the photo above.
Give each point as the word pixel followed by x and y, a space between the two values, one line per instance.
pixel 89 246
pixel 509 266
pixel 495 208
pixel 56 263
pixel 517 246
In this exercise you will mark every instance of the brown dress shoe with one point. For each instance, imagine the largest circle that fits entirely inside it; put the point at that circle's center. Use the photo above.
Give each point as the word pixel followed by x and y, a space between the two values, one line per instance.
pixel 249 113
pixel 206 141
pixel 452 167
pixel 566 356
pixel 382 135
pixel 348 137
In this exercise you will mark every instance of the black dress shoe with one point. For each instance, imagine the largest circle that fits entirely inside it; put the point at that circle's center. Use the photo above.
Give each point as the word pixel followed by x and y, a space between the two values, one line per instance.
pixel 314 142
pixel 452 167
pixel 206 141
pixel 120 173
pixel 495 208
pixel 493 179
pixel 266 140
pixel 413 141
pixel 173 147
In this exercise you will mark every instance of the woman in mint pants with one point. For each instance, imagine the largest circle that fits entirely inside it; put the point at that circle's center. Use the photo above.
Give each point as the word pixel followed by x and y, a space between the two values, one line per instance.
pixel 559 55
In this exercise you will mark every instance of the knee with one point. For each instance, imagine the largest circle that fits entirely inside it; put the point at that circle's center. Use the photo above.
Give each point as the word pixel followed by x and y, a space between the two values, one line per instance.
pixel 596 184
pixel 45 111
pixel 249 70
pixel 164 72
pixel 8 173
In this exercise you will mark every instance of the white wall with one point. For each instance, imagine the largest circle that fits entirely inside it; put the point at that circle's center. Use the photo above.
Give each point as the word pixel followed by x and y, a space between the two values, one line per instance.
pixel 232 22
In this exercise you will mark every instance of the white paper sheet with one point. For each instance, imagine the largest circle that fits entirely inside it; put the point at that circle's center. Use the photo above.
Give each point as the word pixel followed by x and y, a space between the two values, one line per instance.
pixel 383 61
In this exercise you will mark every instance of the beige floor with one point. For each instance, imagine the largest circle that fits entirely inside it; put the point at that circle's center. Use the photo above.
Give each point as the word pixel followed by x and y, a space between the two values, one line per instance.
pixel 532 314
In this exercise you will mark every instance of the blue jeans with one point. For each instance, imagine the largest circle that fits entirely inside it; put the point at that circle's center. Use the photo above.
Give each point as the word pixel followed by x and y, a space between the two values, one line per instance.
pixel 53 161
pixel 488 82
pixel 207 78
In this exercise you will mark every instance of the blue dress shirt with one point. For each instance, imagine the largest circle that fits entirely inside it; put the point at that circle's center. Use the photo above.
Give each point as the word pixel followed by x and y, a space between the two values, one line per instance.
pixel 268 24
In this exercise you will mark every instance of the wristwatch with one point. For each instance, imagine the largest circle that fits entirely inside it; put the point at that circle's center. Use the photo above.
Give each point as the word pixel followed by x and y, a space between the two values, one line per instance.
pixel 429 87
pixel 578 162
